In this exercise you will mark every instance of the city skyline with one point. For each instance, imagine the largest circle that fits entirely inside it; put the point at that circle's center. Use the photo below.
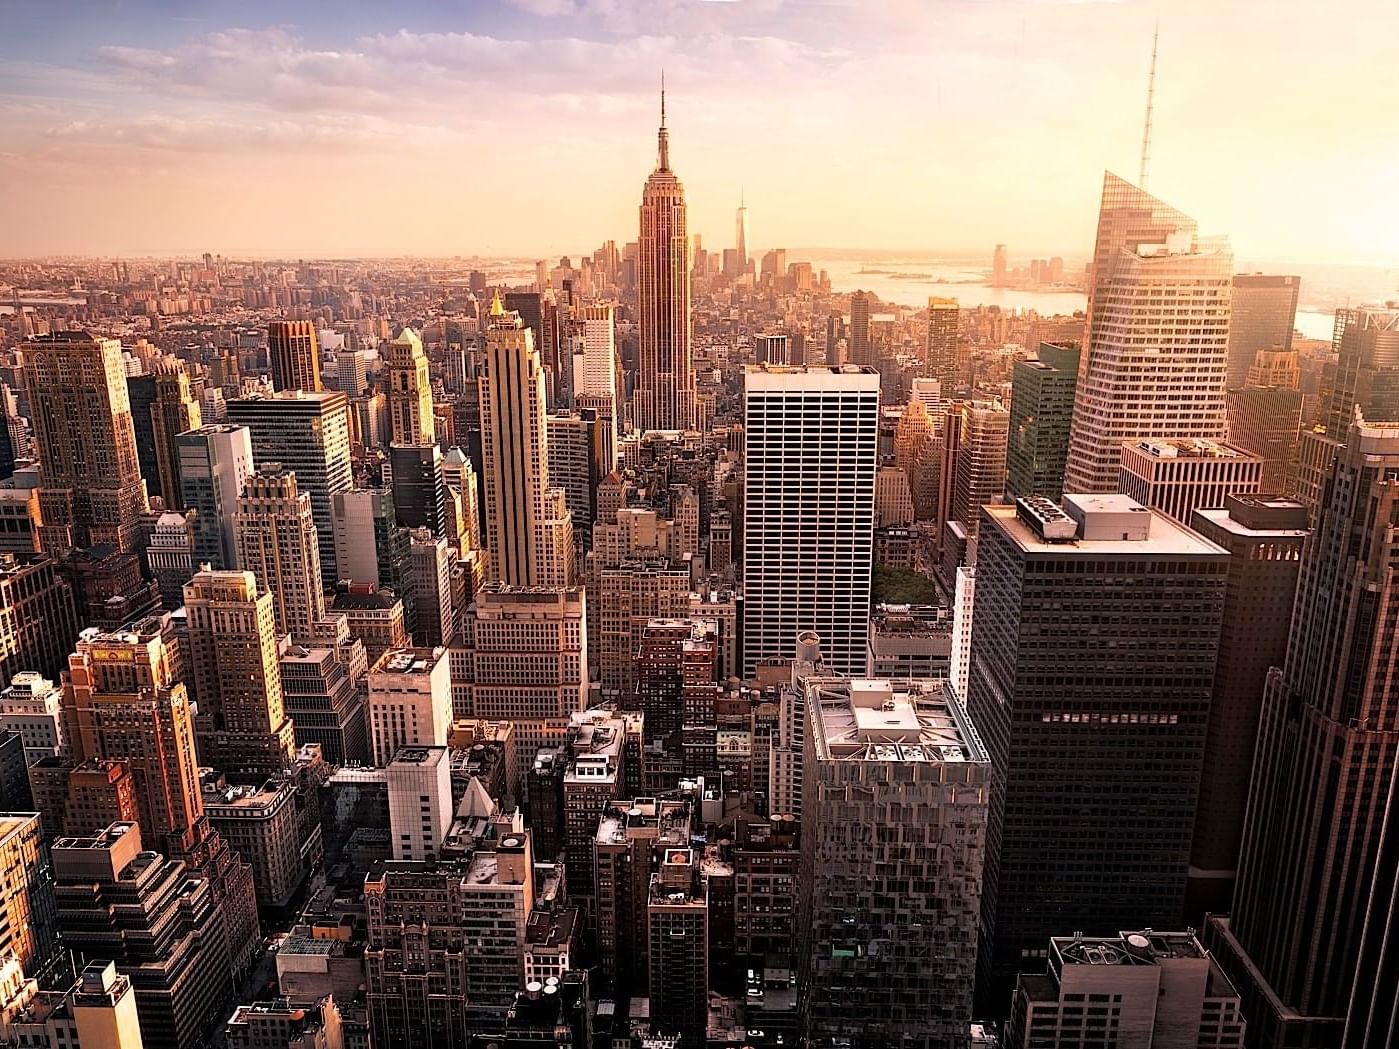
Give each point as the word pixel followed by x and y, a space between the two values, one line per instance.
pixel 128 124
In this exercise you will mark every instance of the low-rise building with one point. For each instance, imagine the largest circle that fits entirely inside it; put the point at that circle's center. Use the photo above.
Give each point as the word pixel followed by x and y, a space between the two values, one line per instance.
pixel 1137 990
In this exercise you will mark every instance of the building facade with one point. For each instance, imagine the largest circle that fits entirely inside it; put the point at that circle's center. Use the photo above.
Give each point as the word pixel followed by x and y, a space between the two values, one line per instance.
pixel 894 824
pixel 1094 641
pixel 811 444
pixel 1158 333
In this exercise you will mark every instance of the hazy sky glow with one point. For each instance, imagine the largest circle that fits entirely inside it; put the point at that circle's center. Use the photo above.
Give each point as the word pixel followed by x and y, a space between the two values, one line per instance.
pixel 528 126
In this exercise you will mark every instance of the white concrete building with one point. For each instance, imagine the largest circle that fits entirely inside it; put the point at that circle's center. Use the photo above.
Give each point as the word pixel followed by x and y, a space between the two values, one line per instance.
pixel 420 801
pixel 31 706
pixel 410 701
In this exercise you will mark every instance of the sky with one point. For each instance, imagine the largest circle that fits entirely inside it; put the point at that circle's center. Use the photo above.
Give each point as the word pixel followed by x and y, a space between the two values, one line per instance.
pixel 527 127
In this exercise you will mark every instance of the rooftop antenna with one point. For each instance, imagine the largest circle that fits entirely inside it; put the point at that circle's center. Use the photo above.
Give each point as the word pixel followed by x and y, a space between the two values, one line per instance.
pixel 1150 100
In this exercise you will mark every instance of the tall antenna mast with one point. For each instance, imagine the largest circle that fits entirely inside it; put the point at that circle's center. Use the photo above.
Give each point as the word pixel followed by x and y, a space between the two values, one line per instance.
pixel 1150 100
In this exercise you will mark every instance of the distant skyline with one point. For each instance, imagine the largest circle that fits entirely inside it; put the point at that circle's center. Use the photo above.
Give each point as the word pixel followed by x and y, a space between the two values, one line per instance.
pixel 527 127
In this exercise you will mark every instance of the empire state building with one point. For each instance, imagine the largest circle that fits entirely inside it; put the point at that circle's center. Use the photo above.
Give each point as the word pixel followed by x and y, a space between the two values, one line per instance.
pixel 665 383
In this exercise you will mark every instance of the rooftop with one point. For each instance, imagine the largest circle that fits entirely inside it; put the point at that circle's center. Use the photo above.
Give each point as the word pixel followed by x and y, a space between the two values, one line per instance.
pixel 1192 448
pixel 408 661
pixel 878 720
pixel 1144 947
pixel 551 928
pixel 242 798
pixel 419 756
pixel 1256 516
pixel 1097 525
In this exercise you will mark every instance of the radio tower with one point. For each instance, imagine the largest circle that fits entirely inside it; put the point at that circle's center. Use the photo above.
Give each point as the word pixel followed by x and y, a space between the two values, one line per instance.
pixel 1150 99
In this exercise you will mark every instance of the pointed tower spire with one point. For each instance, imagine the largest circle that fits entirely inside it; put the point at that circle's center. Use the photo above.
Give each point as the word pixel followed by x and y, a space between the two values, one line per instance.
pixel 663 136
pixel 1150 100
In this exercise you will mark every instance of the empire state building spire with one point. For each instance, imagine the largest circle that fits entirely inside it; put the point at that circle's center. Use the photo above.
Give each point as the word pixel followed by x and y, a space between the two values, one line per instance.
pixel 665 384
pixel 662 136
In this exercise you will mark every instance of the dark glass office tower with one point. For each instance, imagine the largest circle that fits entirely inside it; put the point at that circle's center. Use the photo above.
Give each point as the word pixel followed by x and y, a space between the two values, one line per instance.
pixel 1094 640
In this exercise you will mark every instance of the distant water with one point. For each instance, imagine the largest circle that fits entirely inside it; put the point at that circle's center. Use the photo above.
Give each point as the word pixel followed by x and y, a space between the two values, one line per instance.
pixel 909 282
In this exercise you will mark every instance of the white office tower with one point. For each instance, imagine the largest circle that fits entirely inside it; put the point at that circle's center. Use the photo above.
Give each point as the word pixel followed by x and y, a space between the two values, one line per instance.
pixel 410 701
pixel 595 373
pixel 420 801
pixel 811 451
pixel 1158 345
pixel 893 828
pixel 529 529
pixel 963 600
pixel 32 706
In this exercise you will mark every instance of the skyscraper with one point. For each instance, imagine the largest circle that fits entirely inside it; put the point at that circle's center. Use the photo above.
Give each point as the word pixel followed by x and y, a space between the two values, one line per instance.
pixel 811 450
pixel 741 236
pixel 295 354
pixel 979 470
pixel 527 660
pixel 242 727
pixel 665 377
pixel 1366 372
pixel 370 547
pixel 1158 319
pixel 308 433
pixel 529 530
pixel 540 315
pixel 419 487
pixel 894 832
pixel 595 386
pixel 38 617
pixel 1264 536
pixel 156 920
pixel 1094 640
pixel 91 490
pixel 1268 422
pixel 1262 316
pixel 1314 903
pixel 1041 412
pixel 27 917
pixel 677 951
pixel 123 702
pixel 175 410
pixel 410 701
pixel 214 463
pixel 411 418
pixel 277 543
pixel 941 360
pixel 861 351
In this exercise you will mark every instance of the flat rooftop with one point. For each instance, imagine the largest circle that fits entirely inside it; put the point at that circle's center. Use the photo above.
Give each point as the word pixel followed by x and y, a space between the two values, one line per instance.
pixel 892 721
pixel 408 661
pixel 1141 947
pixel 1283 510
pixel 1165 535
pixel 432 756
pixel 1192 448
